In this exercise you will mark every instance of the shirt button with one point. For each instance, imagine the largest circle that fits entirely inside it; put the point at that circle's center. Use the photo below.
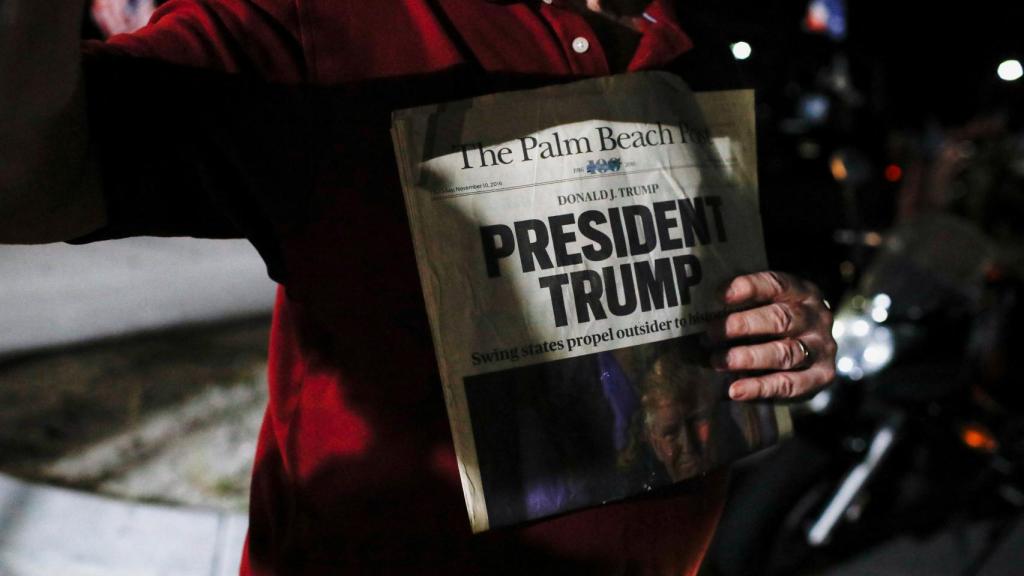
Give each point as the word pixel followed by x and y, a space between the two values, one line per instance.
pixel 580 45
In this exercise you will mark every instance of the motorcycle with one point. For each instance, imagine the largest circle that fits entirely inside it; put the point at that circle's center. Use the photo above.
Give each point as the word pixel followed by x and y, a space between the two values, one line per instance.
pixel 921 431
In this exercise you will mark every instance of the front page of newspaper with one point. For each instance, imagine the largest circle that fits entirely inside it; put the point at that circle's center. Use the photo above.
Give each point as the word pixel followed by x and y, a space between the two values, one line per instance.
pixel 572 242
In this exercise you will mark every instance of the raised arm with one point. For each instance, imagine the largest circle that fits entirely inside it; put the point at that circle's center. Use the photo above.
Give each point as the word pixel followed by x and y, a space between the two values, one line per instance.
pixel 49 184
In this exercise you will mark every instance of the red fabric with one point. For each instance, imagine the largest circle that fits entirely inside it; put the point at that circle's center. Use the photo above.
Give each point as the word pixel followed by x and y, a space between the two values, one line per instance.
pixel 355 472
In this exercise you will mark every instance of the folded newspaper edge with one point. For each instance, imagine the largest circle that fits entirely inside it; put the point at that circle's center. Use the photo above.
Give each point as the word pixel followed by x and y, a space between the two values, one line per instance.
pixel 571 241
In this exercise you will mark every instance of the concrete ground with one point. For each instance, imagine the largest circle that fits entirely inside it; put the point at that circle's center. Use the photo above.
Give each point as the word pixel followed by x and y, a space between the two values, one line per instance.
pixel 132 455
pixel 46 531
pixel 132 387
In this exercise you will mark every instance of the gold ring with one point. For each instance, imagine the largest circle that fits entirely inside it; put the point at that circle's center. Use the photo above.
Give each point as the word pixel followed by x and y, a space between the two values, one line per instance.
pixel 805 350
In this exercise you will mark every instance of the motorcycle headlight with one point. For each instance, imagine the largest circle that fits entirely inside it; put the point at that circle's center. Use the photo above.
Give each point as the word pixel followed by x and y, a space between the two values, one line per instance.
pixel 866 346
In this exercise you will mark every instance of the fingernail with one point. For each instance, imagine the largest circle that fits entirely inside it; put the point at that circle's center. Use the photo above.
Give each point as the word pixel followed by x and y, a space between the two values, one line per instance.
pixel 736 392
pixel 730 293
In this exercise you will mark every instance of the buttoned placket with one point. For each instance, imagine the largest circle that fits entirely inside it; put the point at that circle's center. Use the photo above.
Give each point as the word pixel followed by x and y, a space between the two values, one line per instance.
pixel 579 42
pixel 662 39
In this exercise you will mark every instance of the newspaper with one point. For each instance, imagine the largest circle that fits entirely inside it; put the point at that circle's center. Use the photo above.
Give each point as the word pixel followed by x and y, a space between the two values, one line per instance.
pixel 572 242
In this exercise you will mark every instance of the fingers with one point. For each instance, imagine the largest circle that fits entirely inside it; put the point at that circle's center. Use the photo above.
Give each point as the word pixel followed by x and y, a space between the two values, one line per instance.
pixel 785 354
pixel 778 319
pixel 789 307
pixel 794 372
pixel 785 312
pixel 768 287
pixel 786 384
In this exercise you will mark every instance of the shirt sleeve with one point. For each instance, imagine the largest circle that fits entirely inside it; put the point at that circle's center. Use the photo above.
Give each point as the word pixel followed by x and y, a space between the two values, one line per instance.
pixel 191 138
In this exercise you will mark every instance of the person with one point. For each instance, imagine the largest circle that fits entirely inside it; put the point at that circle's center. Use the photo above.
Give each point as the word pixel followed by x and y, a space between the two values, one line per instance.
pixel 681 424
pixel 203 123
pixel 678 437
pixel 679 421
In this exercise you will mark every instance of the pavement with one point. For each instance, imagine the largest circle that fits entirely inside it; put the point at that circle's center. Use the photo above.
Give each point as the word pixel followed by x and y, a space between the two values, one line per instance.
pixel 46 531
pixel 166 451
pixel 57 294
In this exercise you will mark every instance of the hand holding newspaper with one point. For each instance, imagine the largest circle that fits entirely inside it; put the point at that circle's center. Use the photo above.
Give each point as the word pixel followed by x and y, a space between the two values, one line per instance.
pixel 571 241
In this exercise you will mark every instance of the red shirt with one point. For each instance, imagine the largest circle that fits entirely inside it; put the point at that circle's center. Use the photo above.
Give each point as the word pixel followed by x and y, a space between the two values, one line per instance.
pixel 355 470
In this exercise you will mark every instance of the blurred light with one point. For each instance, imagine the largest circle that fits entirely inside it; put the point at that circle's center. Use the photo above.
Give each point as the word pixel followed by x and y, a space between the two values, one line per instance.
pixel 873 239
pixel 994 272
pixel 847 269
pixel 1010 70
pixel 838 329
pixel 877 354
pixel 808 149
pixel 978 438
pixel 814 108
pixel 864 347
pixel 845 365
pixel 817 16
pixel 879 314
pixel 741 50
pixel 893 173
pixel 881 300
pixel 861 328
pixel 826 17
pixel 820 402
pixel 838 168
